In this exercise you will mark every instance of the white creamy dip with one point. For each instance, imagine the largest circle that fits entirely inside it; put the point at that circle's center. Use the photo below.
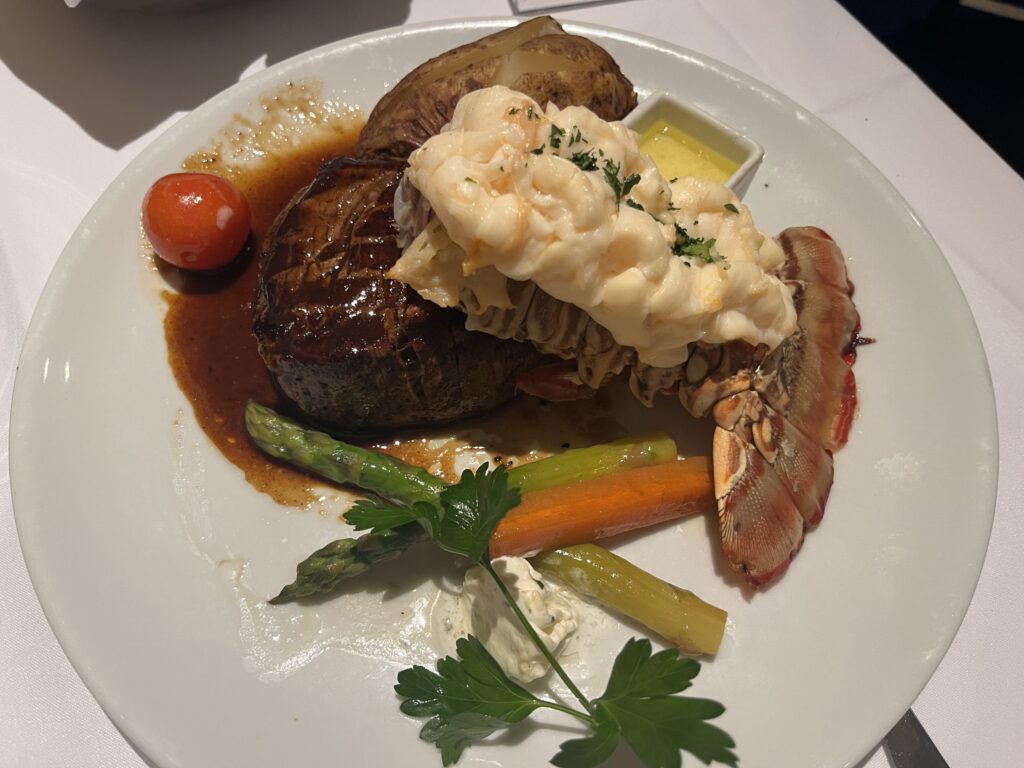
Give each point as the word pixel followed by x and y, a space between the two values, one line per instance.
pixel 508 204
pixel 482 612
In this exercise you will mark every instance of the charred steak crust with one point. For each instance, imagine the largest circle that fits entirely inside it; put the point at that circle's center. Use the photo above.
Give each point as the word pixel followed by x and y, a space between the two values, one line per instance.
pixel 351 348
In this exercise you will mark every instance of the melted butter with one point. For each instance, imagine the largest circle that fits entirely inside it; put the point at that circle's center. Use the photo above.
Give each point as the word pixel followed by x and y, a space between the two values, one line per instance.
pixel 678 154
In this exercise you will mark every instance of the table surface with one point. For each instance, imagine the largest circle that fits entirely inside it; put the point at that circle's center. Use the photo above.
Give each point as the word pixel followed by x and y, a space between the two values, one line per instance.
pixel 84 90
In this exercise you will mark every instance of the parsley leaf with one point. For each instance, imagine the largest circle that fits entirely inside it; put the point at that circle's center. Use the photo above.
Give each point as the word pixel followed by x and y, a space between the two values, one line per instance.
pixel 629 182
pixel 461 521
pixel 634 204
pixel 467 699
pixel 620 188
pixel 731 208
pixel 576 136
pixel 538 151
pixel 469 512
pixel 556 136
pixel 694 247
pixel 514 111
pixel 700 248
pixel 638 706
pixel 585 161
pixel 591 750
pixel 611 175
pixel 378 515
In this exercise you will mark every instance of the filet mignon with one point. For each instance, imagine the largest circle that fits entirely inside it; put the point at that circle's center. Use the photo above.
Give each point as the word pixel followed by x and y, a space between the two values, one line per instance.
pixel 351 348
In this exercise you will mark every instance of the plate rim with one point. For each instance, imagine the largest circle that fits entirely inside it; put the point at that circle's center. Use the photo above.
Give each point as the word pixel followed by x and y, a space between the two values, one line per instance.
pixel 137 736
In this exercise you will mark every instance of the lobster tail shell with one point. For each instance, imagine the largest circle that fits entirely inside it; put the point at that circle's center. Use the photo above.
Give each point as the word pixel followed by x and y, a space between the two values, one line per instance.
pixel 813 257
pixel 775 440
pixel 761 528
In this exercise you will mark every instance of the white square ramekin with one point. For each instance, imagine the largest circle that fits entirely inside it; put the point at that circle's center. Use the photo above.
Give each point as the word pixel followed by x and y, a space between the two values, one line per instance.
pixel 711 132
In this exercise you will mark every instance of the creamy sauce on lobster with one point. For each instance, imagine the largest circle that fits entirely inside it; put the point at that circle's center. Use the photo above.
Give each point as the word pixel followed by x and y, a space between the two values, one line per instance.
pixel 568 200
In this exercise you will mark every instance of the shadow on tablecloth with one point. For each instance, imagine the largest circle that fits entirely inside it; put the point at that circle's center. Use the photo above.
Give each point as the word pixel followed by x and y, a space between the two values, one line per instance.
pixel 118 74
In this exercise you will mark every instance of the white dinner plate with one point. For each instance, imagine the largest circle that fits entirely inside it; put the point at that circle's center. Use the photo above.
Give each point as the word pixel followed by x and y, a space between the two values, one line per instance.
pixel 150 554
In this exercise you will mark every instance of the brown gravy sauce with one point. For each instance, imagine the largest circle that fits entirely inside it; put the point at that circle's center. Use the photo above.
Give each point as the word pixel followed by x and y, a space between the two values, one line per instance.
pixel 213 353
pixel 210 347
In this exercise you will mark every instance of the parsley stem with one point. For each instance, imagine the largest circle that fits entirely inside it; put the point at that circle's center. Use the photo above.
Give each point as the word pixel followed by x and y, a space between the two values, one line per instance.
pixel 536 640
pixel 566 710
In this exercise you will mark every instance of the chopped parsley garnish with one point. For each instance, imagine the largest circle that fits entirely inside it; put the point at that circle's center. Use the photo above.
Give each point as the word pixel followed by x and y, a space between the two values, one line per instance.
pixel 470 180
pixel 621 188
pixel 634 204
pixel 731 208
pixel 556 136
pixel 514 111
pixel 629 182
pixel 538 151
pixel 576 137
pixel 585 161
pixel 693 247
pixel 529 113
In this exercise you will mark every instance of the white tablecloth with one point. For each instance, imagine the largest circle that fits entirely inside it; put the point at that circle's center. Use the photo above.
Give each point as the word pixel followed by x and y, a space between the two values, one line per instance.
pixel 83 91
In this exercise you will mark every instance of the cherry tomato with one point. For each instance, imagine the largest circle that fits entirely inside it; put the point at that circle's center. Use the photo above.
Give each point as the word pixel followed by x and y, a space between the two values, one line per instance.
pixel 196 221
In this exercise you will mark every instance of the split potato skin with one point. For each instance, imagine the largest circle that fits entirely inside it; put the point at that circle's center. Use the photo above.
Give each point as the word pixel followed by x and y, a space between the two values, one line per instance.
pixel 537 58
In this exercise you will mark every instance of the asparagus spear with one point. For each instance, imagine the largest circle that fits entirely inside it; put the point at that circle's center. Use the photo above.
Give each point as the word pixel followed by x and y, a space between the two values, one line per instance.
pixel 676 614
pixel 321 454
pixel 579 464
pixel 342 559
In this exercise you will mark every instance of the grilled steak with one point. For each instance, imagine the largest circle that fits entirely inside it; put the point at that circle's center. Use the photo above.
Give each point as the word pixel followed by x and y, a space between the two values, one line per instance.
pixel 351 348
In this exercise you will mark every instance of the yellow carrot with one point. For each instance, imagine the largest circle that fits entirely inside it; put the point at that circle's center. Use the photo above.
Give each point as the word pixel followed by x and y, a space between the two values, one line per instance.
pixel 605 506
pixel 676 614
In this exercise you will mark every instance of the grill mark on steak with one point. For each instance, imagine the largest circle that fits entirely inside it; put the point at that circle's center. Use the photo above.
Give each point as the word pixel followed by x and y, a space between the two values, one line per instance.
pixel 351 348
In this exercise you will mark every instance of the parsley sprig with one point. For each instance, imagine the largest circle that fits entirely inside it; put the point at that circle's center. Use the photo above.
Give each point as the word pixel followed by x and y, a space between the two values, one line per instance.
pixel 469 698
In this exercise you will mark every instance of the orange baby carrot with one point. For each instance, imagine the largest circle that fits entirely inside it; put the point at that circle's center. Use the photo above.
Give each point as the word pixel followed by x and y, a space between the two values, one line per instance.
pixel 605 506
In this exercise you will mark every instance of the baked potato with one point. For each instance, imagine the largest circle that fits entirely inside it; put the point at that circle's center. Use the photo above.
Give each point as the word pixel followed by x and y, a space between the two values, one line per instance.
pixel 536 57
